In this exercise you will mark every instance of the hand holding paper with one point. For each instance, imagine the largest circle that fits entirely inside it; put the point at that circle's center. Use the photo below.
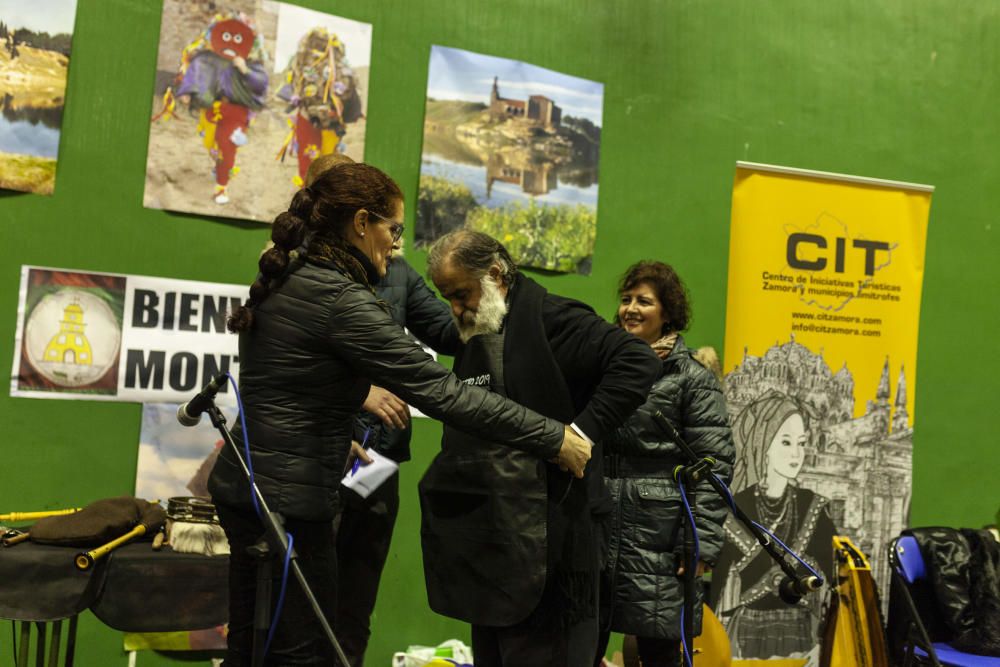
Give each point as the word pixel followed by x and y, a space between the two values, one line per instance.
pixel 363 479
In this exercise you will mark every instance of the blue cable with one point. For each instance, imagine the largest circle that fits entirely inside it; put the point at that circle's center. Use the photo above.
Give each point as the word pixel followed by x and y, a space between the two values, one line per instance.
pixel 732 505
pixel 684 646
pixel 694 526
pixel 692 564
pixel 256 507
pixel 281 595
pixel 791 553
pixel 246 441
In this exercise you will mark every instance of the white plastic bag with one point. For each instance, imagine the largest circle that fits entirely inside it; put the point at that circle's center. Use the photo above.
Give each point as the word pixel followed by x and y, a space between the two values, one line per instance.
pixel 452 651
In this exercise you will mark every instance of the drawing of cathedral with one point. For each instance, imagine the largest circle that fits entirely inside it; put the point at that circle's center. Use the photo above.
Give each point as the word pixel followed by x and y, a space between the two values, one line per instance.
pixel 864 464
pixel 70 344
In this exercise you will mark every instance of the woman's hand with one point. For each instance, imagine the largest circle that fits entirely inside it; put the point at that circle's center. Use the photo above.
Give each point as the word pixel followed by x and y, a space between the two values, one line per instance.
pixel 357 452
pixel 392 410
pixel 702 568
pixel 574 453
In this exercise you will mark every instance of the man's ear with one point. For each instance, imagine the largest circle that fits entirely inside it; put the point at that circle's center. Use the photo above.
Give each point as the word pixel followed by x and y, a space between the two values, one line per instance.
pixel 360 221
pixel 496 273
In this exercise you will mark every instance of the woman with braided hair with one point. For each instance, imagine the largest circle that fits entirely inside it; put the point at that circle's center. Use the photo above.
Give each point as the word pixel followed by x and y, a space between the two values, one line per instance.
pixel 771 434
pixel 313 337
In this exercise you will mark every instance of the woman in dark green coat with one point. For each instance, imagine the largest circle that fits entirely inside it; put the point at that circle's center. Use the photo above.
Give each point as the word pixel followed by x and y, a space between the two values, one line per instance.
pixel 641 592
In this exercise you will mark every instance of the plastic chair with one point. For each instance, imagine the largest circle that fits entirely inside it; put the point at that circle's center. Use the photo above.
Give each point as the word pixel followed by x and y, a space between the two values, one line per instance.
pixel 907 564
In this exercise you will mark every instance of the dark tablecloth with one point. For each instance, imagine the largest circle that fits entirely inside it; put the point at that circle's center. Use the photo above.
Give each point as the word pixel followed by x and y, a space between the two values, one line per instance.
pixel 132 589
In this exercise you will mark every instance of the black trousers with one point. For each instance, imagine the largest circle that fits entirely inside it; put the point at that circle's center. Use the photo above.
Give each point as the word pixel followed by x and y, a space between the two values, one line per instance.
pixel 542 640
pixel 363 536
pixel 652 652
pixel 298 638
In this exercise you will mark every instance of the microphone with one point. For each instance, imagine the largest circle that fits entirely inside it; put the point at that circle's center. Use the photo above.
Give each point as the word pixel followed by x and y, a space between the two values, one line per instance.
pixel 189 414
pixel 792 590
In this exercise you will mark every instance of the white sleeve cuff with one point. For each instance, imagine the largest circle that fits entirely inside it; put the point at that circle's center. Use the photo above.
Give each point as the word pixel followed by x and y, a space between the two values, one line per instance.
pixel 576 429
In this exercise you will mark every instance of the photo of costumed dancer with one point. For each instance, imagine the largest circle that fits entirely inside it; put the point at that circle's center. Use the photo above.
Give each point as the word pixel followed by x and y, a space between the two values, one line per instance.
pixel 322 94
pixel 222 77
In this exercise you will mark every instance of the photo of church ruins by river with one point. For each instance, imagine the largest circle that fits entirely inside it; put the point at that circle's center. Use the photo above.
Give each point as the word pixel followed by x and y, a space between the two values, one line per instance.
pixel 34 59
pixel 512 150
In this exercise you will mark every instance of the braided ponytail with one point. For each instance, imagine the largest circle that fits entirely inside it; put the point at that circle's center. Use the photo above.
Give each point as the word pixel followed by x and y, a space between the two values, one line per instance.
pixel 287 233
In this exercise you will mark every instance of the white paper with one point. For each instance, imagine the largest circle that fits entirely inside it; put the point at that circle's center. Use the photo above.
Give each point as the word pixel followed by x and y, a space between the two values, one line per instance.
pixel 367 478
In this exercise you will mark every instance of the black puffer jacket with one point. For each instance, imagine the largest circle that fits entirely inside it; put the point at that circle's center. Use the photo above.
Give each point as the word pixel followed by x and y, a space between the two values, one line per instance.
pixel 318 342
pixel 960 600
pixel 641 593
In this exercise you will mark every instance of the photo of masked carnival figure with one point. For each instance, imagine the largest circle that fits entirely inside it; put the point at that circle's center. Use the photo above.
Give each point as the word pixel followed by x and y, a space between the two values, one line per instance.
pixel 323 97
pixel 223 77
pixel 771 434
pixel 641 592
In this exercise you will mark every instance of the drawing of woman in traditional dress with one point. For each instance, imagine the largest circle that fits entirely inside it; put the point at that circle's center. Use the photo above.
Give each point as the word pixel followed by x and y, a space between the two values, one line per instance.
pixel 771 436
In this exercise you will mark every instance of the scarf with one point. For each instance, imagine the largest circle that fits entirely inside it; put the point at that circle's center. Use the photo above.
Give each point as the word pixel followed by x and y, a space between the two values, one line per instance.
pixel 347 257
pixel 665 345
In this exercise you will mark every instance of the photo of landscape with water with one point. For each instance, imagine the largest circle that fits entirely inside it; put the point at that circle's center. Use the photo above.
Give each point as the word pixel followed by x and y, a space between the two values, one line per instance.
pixel 35 41
pixel 512 150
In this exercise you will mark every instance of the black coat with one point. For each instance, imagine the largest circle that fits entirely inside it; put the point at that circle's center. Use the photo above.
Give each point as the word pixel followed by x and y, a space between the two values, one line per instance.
pixel 318 342
pixel 960 598
pixel 494 525
pixel 641 592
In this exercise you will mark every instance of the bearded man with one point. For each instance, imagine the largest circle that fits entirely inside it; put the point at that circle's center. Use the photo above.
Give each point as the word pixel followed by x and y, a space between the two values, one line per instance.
pixel 512 544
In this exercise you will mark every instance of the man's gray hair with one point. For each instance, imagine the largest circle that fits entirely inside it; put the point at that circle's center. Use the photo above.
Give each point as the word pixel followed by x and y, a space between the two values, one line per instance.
pixel 471 251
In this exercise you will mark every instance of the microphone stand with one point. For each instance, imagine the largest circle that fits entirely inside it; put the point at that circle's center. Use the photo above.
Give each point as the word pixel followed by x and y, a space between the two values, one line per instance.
pixel 274 543
pixel 689 475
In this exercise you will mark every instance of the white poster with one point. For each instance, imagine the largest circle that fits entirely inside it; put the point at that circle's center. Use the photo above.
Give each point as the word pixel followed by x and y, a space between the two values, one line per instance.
pixel 103 336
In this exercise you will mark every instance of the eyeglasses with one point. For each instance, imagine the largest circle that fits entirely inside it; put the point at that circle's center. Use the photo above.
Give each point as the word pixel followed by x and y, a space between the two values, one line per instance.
pixel 395 228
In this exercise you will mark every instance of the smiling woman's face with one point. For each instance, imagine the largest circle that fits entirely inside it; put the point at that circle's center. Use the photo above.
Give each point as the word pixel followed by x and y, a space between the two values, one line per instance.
pixel 641 313
pixel 788 448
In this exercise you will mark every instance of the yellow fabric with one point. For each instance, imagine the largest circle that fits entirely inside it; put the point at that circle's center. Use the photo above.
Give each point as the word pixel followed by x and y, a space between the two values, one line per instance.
pixel 288 140
pixel 167 106
pixel 157 641
pixel 207 124
pixel 711 647
pixel 858 306
pixel 330 141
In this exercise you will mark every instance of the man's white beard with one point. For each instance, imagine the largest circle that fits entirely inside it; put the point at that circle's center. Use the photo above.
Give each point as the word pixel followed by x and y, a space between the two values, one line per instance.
pixel 488 318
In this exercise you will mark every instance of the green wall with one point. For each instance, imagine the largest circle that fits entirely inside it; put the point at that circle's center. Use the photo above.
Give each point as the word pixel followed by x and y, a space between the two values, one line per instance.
pixel 898 89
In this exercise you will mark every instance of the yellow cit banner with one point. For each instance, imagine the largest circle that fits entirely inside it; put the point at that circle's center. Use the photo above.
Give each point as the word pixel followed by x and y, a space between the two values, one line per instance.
pixel 825 274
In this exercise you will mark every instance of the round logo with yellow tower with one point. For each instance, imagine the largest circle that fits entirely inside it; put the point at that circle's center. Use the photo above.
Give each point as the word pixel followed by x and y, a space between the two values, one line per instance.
pixel 72 337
